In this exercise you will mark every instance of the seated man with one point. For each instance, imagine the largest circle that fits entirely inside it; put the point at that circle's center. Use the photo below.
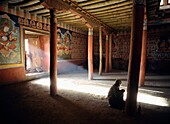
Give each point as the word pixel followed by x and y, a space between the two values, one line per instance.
pixel 115 96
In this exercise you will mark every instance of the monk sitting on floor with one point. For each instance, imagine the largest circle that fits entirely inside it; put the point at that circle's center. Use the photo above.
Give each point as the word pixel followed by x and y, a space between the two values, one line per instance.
pixel 115 96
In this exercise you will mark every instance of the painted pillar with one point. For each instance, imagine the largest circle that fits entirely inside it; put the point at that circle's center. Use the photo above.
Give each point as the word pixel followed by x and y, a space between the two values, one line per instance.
pixel 90 54
pixel 165 2
pixel 110 52
pixel 100 51
pixel 134 57
pixel 53 53
pixel 143 52
pixel 107 54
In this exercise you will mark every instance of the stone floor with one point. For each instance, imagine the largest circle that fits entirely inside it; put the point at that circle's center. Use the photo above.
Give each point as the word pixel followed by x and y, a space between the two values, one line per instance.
pixel 82 101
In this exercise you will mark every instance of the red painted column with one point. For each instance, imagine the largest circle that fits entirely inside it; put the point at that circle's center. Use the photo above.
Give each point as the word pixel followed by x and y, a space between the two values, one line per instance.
pixel 110 52
pixel 100 51
pixel 53 53
pixel 135 56
pixel 143 53
pixel 90 54
pixel 107 54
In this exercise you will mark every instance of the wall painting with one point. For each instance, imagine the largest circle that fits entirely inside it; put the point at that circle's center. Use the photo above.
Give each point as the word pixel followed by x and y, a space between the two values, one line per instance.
pixel 10 47
pixel 64 44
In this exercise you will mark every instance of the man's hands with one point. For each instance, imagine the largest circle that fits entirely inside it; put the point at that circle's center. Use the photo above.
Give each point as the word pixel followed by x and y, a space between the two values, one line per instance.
pixel 122 90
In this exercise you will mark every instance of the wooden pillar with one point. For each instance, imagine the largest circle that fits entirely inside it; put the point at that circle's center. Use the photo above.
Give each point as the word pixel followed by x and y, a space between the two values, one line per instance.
pixel 135 56
pixel 107 54
pixel 143 52
pixel 165 2
pixel 53 53
pixel 110 52
pixel 100 51
pixel 90 54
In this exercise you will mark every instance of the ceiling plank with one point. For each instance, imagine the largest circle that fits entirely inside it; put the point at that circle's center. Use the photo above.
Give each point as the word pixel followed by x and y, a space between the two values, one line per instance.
pixel 117 6
pixel 114 13
pixel 22 3
pixel 103 4
pixel 65 16
pixel 41 10
pixel 32 6
pixel 117 16
pixel 87 3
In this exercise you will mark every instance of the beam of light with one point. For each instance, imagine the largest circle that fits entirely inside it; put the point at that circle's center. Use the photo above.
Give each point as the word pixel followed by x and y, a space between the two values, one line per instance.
pixel 100 91
pixel 148 98
pixel 84 88
pixel 41 60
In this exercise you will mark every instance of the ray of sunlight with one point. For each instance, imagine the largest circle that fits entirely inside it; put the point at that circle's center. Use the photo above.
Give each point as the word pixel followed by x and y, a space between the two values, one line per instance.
pixel 101 91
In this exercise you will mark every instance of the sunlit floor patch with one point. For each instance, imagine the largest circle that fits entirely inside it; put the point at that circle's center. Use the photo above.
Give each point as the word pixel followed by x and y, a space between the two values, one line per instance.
pixel 150 99
pixel 101 91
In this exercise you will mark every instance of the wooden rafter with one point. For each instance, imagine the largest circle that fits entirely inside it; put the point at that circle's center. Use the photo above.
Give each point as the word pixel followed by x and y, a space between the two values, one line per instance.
pixel 123 15
pixel 23 3
pixel 117 6
pixel 126 11
pixel 87 3
pixel 103 4
pixel 41 10
pixel 65 16
pixel 35 5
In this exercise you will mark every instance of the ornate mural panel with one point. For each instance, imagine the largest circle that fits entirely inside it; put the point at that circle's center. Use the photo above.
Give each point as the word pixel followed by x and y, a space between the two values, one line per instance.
pixel 10 46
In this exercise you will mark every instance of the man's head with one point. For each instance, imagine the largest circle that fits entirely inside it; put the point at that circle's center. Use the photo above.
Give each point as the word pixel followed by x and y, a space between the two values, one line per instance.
pixel 118 82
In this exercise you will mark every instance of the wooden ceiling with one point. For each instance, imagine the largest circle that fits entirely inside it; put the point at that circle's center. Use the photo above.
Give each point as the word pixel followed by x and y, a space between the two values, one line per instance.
pixel 113 15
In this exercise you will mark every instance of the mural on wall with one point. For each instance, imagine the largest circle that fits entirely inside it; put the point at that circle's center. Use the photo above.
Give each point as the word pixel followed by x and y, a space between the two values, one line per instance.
pixel 121 45
pixel 163 49
pixel 64 45
pixel 163 45
pixel 79 46
pixel 9 41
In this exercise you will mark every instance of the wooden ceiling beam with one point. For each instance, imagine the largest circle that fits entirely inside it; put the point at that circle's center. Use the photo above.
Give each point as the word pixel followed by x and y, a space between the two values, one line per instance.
pixel 73 21
pixel 44 13
pixel 65 16
pixel 22 3
pixel 117 6
pixel 104 4
pixel 87 3
pixel 61 5
pixel 114 13
pixel 111 20
pixel 117 16
pixel 117 21
pixel 41 10
pixel 63 13
pixel 69 18
pixel 35 5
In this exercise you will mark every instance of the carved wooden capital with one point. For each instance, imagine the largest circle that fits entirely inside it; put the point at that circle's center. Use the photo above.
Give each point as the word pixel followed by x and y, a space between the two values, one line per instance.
pixel 145 25
pixel 90 33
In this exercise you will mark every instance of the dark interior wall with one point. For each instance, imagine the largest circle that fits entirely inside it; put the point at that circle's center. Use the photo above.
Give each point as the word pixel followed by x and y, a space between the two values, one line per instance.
pixel 158 49
pixel 45 46
pixel 12 75
pixel 120 50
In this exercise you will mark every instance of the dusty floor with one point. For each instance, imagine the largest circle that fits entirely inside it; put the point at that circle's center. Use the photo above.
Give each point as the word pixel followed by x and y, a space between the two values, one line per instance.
pixel 79 101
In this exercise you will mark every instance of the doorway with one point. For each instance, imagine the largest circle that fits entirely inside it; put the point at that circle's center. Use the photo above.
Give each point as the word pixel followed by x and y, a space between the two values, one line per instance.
pixel 36 52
